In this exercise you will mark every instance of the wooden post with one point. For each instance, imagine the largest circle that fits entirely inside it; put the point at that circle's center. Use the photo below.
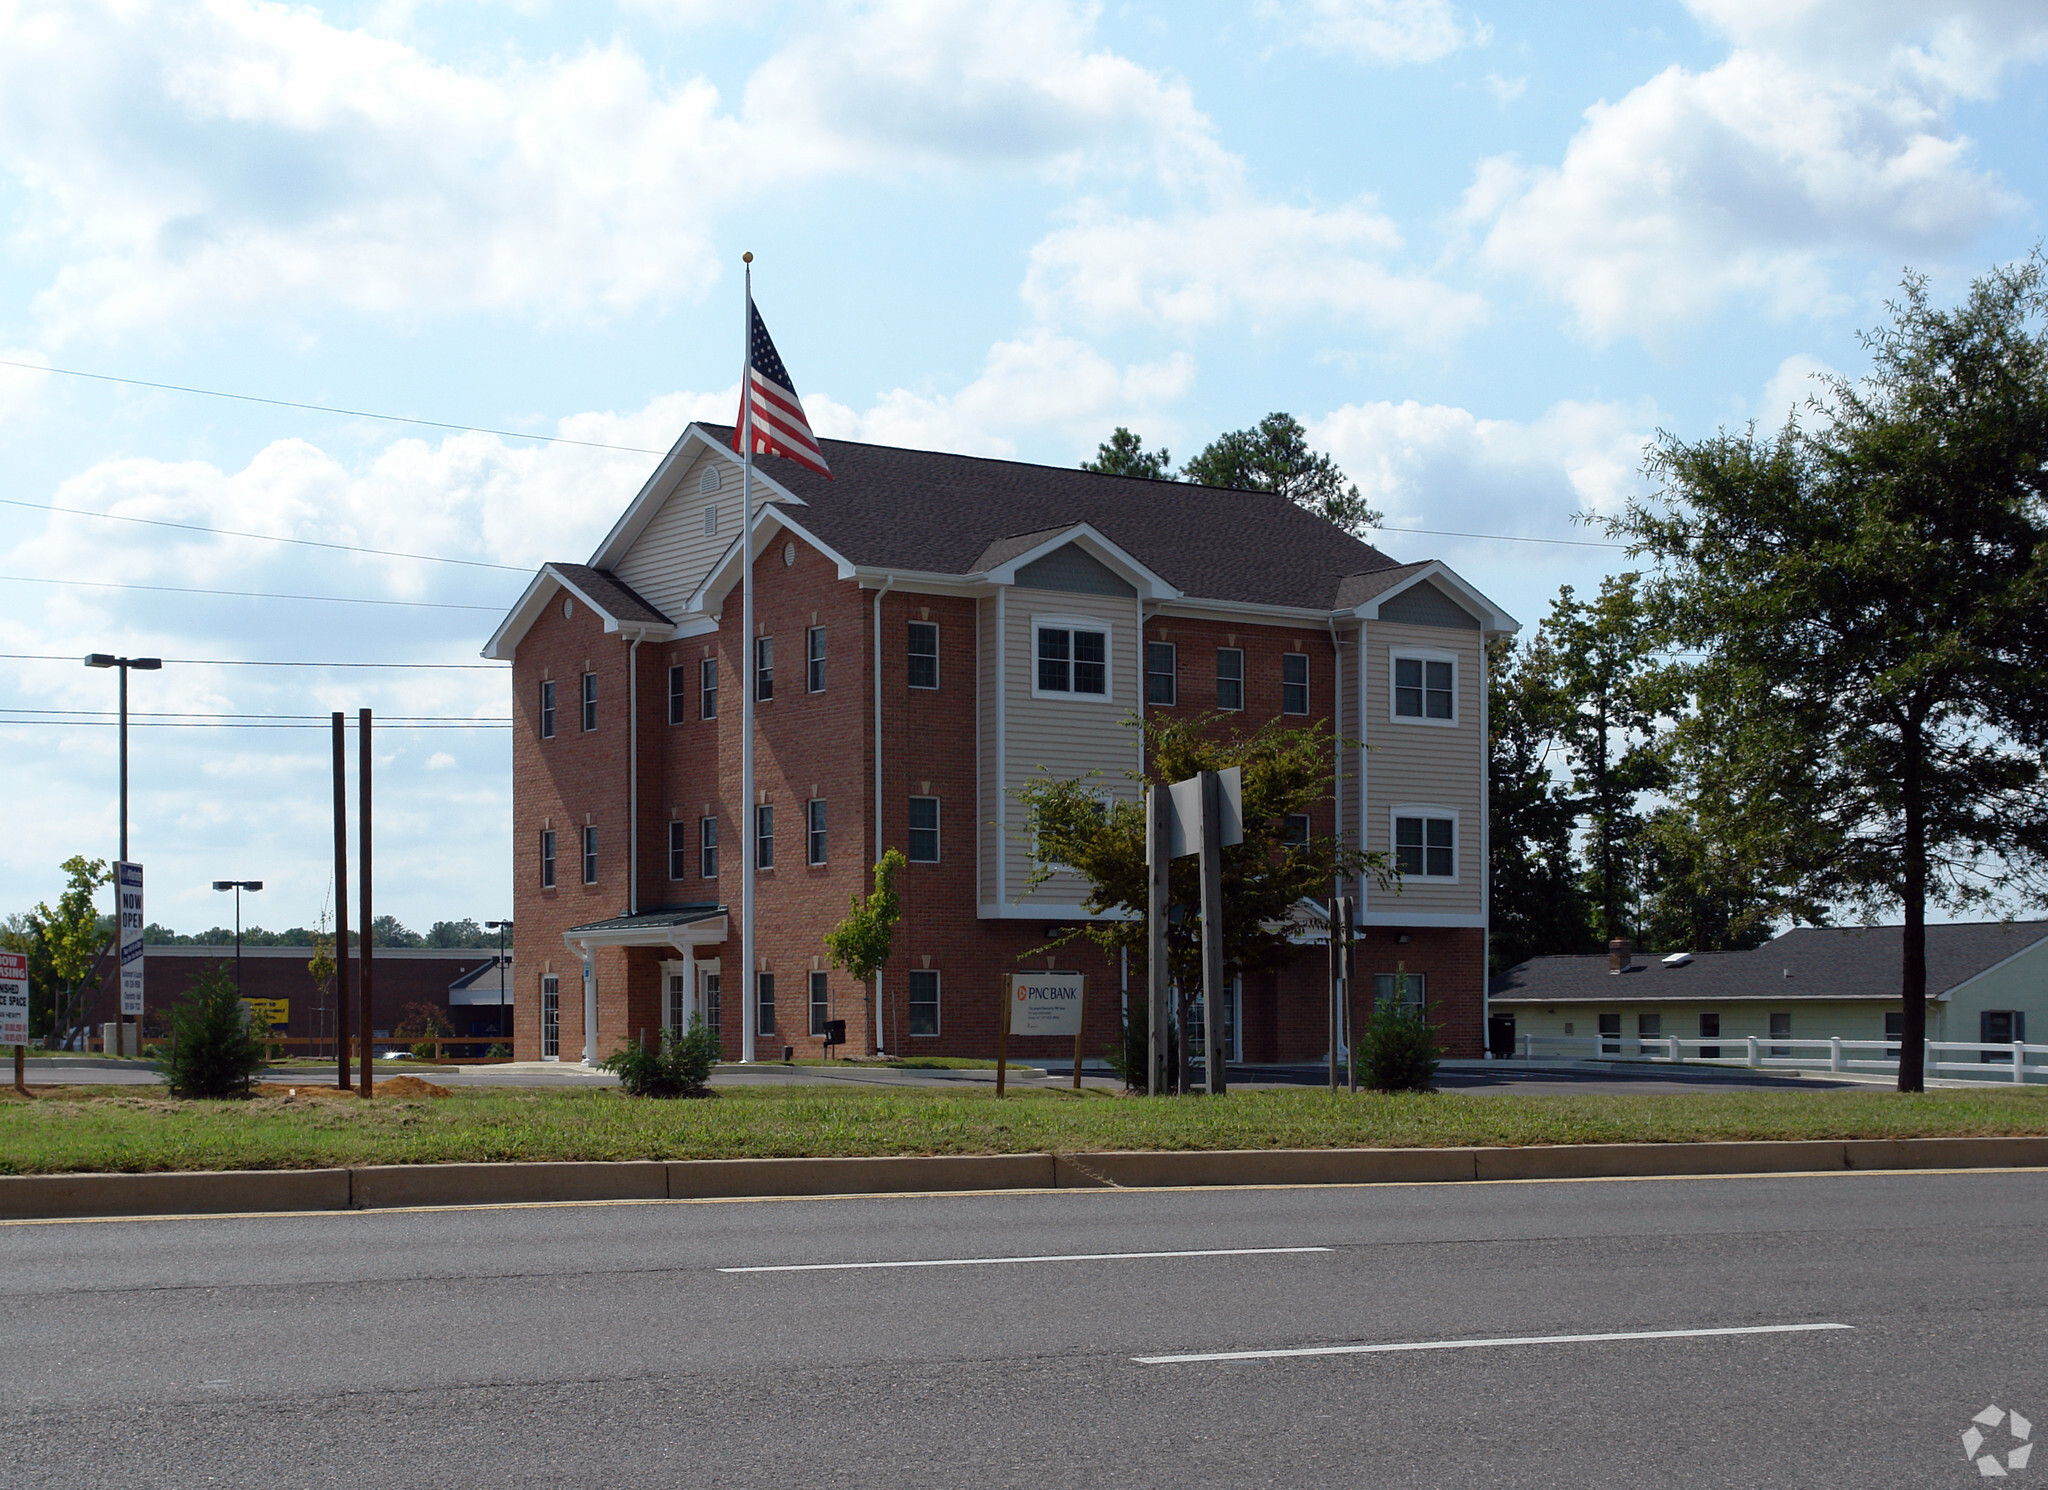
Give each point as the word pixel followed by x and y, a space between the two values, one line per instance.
pixel 363 787
pixel 1214 995
pixel 1158 975
pixel 21 1069
pixel 1079 1032
pixel 1336 981
pixel 1003 1037
pixel 1347 985
pixel 341 1069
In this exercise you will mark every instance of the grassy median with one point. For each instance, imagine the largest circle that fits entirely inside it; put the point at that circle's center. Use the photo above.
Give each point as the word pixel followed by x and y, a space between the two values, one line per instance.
pixel 120 1129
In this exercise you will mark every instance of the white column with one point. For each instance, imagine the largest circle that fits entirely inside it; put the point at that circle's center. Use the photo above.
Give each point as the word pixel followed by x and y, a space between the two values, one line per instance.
pixel 589 1004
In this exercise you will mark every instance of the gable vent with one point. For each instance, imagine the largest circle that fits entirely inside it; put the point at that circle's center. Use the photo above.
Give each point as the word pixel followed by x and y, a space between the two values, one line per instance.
pixel 709 480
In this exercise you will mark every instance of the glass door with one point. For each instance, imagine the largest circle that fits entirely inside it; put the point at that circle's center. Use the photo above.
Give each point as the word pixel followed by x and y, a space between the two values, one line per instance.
pixel 551 1018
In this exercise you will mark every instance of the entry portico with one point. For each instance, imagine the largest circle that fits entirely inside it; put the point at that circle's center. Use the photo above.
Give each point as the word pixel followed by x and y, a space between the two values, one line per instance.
pixel 676 928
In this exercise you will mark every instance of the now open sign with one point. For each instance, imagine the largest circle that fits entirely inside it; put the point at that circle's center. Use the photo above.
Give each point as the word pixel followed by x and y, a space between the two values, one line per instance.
pixel 13 998
pixel 1048 1003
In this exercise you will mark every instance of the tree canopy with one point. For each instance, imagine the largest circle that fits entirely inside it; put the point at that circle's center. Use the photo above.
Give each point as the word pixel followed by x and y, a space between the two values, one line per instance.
pixel 1273 455
pixel 1124 454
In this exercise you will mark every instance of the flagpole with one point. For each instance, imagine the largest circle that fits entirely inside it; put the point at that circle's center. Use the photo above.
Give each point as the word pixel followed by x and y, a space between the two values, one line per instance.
pixel 749 980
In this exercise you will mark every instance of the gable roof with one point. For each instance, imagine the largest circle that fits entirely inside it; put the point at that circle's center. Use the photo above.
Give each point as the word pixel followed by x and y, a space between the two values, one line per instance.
pixel 1805 963
pixel 600 589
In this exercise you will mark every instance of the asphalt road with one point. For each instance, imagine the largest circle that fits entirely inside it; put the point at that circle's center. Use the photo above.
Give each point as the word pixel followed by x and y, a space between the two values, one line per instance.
pixel 604 1346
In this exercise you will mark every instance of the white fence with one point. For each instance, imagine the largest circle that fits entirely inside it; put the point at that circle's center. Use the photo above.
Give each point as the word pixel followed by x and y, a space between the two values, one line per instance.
pixel 2000 1062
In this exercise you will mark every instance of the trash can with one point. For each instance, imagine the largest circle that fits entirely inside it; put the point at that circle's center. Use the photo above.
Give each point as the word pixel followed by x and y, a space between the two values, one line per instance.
pixel 1500 1036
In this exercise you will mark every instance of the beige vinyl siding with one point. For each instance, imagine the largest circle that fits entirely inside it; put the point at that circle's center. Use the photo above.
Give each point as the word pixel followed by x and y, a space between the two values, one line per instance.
pixel 1347 728
pixel 671 556
pixel 1071 737
pixel 988 840
pixel 1425 765
pixel 2021 983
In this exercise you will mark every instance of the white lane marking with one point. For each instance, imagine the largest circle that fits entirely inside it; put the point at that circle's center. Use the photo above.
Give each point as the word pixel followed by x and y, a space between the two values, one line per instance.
pixel 980 1262
pixel 1274 1355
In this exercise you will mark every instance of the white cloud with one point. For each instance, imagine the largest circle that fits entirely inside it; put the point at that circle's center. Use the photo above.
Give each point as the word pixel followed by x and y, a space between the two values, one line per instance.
pixel 1798 378
pixel 1506 90
pixel 1825 132
pixel 1379 30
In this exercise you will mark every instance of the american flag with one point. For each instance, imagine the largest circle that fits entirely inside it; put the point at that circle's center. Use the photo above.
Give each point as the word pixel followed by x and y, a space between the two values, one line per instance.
pixel 779 424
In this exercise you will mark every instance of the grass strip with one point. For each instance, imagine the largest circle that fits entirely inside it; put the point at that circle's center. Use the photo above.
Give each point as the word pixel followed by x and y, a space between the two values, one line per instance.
pixel 114 1129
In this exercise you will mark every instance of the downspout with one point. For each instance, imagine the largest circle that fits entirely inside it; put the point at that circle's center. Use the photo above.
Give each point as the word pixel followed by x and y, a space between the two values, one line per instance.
pixel 876 1028
pixel 633 777
pixel 1486 856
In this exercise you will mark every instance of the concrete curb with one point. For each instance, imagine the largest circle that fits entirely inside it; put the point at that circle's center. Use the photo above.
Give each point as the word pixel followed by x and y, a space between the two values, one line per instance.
pixel 214 1192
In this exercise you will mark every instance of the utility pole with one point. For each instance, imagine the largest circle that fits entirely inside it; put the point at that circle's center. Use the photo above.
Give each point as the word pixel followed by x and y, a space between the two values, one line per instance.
pixel 367 934
pixel 341 902
pixel 144 665
pixel 502 928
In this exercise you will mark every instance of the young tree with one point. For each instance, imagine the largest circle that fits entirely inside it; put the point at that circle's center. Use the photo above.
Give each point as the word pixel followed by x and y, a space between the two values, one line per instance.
pixel 1287 772
pixel 1273 455
pixel 1870 599
pixel 1537 906
pixel 213 1053
pixel 1124 454
pixel 861 943
pixel 73 936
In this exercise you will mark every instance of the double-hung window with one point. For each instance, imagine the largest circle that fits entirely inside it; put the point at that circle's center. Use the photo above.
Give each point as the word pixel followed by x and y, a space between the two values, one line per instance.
pixel 924 654
pixel 764 837
pixel 764 1004
pixel 1230 678
pixel 1404 988
pixel 590 701
pixel 814 831
pixel 547 711
pixel 764 669
pixel 1425 843
pixel 821 1004
pixel 814 660
pixel 590 856
pixel 1295 829
pixel 1999 1027
pixel 707 689
pixel 547 861
pixel 678 693
pixel 1424 688
pixel 1073 660
pixel 924 830
pixel 707 848
pixel 678 849
pixel 1294 683
pixel 1161 677
pixel 924 1001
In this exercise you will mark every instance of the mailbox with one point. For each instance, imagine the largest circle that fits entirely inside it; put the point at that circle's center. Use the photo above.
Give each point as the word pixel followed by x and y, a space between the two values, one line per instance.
pixel 835 1032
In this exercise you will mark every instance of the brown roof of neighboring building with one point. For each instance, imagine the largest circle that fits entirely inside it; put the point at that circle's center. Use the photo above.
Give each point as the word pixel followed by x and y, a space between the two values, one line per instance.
pixel 1807 962
pixel 947 514
pixel 612 594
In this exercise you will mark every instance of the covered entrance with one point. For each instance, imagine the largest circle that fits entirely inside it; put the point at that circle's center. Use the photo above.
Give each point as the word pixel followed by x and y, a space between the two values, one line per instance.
pixel 681 930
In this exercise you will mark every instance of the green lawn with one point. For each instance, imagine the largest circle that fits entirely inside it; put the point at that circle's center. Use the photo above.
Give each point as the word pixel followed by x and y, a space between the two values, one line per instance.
pixel 111 1128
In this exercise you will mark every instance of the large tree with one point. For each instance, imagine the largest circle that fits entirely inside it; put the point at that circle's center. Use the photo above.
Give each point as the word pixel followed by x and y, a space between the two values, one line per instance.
pixel 1124 454
pixel 1273 455
pixel 1869 601
pixel 1536 905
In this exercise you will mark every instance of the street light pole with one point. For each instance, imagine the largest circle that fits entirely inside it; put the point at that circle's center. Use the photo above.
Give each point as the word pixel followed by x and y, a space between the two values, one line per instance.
pixel 501 927
pixel 140 664
pixel 238 886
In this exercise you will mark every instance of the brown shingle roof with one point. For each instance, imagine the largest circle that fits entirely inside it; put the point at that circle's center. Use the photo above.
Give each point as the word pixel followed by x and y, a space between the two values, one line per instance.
pixel 611 594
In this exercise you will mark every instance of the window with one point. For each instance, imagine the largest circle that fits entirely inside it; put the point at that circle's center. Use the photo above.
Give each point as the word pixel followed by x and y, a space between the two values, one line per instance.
pixel 1160 675
pixel 678 693
pixel 1423 845
pixel 1422 688
pixel 924 830
pixel 590 856
pixel 1649 1026
pixel 764 1004
pixel 1295 830
pixel 764 669
pixel 1781 1028
pixel 547 711
pixel 924 654
pixel 1710 1029
pixel 550 1018
pixel 707 848
pixel 707 689
pixel 1610 1029
pixel 1230 678
pixel 821 1005
pixel 678 849
pixel 814 830
pixel 1406 987
pixel 814 654
pixel 1999 1027
pixel 712 1012
pixel 924 1001
pixel 764 837
pixel 1294 683
pixel 590 701
pixel 547 861
pixel 1072 660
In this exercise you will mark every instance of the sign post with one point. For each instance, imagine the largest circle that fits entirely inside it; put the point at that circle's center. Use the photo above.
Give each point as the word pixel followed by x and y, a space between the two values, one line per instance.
pixel 1202 815
pixel 14 1013
pixel 1002 1039
pixel 1047 1003
pixel 128 895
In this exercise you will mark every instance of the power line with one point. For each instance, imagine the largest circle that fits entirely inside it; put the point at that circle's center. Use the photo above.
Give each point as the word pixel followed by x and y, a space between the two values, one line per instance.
pixel 491 667
pixel 346 548
pixel 218 724
pixel 108 584
pixel 106 714
pixel 1503 537
pixel 285 403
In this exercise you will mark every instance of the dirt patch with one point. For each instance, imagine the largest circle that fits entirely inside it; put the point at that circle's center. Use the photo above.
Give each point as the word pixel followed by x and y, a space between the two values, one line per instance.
pixel 407 1086
pixel 307 1093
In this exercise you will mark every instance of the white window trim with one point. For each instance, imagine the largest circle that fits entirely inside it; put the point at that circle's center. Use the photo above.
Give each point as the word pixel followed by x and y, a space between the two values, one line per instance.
pixel 812 636
pixel 674 824
pixel 1425 654
pixel 1244 686
pixel 1145 682
pixel 1076 623
pixel 938 828
pixel 938 653
pixel 938 1004
pixel 1308 689
pixel 1429 809
pixel 810 831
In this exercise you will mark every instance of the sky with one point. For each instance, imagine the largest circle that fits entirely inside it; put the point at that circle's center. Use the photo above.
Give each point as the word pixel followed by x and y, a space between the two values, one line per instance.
pixel 1485 252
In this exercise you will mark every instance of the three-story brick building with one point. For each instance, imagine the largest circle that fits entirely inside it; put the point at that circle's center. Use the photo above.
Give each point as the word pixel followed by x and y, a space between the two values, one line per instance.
pixel 932 631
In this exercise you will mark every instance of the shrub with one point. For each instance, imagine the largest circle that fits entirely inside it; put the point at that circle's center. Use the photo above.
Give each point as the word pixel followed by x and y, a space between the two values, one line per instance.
pixel 1397 1051
pixel 212 1052
pixel 668 1068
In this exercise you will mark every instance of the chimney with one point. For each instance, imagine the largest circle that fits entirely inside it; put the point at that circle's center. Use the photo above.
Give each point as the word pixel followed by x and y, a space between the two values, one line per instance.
pixel 1618 958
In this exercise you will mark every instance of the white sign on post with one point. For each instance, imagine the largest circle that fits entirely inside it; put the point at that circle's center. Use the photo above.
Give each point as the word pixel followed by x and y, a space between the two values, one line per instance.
pixel 1047 1003
pixel 128 891
pixel 13 998
pixel 1184 814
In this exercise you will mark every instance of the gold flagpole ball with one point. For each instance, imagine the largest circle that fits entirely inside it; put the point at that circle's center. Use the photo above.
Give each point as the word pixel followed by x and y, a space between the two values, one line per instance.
pixel 747 258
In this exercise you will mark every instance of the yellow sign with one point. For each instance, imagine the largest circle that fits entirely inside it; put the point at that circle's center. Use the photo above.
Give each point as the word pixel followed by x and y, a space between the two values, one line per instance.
pixel 268 1012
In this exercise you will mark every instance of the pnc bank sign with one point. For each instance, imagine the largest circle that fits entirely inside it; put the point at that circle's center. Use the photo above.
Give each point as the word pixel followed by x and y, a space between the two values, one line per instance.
pixel 1048 1003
